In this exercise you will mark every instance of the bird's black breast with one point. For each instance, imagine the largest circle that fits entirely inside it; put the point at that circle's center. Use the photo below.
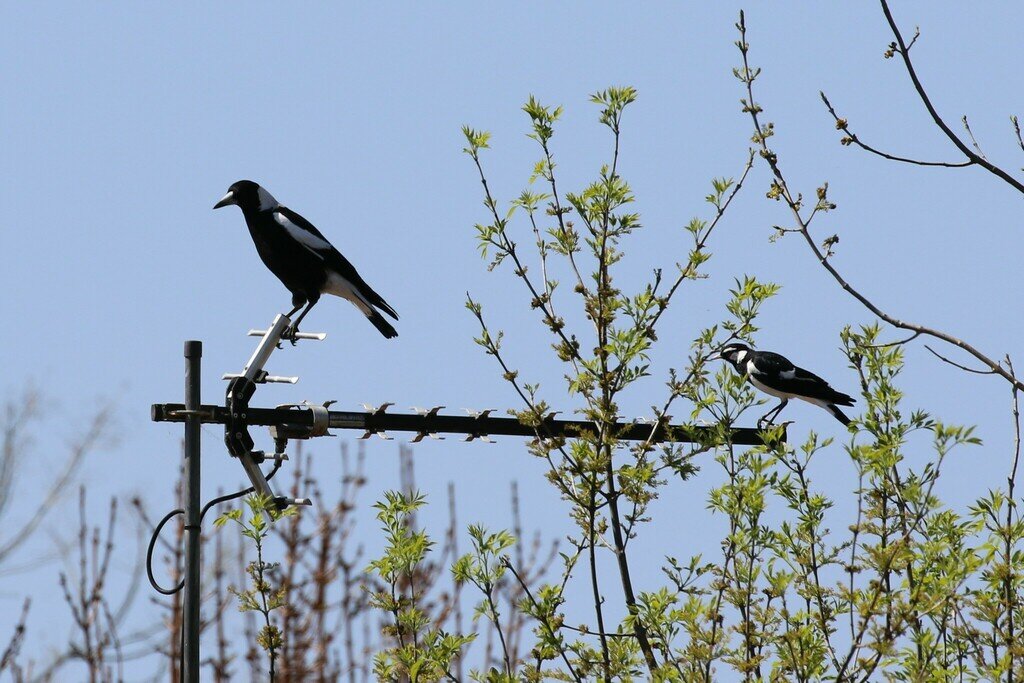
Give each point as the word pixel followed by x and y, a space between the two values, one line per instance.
pixel 299 269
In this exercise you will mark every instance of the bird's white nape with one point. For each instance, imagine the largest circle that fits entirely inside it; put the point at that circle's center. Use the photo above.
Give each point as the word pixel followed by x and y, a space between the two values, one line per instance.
pixel 267 200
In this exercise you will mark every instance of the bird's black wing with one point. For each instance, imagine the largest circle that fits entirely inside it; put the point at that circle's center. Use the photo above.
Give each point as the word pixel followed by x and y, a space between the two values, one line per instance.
pixel 768 363
pixel 312 239
pixel 779 373
pixel 302 231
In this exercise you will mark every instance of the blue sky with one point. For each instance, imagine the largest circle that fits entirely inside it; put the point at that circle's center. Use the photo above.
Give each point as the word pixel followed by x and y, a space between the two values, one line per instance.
pixel 123 124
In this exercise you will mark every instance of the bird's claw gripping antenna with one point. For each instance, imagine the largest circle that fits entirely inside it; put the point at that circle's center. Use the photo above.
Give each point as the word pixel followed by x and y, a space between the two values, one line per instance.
pixel 768 419
pixel 289 335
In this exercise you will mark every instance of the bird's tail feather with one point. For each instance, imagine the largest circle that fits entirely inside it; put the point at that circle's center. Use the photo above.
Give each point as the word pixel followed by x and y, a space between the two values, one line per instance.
pixel 386 307
pixel 378 301
pixel 842 399
pixel 382 325
pixel 838 414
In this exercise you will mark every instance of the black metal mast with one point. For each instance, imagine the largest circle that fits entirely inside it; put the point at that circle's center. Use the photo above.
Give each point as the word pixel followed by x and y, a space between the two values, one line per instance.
pixel 192 596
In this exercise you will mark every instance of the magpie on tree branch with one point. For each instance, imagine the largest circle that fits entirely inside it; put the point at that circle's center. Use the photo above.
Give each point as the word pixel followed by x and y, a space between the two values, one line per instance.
pixel 302 258
pixel 775 375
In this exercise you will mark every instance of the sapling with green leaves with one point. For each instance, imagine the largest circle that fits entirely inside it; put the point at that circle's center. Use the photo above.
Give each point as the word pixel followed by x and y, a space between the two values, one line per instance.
pixel 261 596
pixel 423 652
pixel 581 236
pixel 485 567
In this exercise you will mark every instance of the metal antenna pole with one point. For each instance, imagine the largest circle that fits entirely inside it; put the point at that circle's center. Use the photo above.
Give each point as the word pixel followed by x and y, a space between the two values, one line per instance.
pixel 193 358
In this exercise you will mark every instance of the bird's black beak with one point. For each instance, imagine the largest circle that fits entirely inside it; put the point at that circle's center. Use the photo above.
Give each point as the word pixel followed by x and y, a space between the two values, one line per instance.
pixel 716 355
pixel 226 200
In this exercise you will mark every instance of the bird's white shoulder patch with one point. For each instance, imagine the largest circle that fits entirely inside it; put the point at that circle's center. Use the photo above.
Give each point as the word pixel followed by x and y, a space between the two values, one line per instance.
pixel 788 374
pixel 267 200
pixel 304 237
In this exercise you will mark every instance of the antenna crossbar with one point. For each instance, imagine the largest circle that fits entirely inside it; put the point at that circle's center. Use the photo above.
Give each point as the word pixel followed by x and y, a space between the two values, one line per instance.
pixel 376 422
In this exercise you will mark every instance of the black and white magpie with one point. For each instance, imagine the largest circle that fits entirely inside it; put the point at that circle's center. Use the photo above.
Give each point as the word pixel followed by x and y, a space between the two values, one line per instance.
pixel 302 258
pixel 775 375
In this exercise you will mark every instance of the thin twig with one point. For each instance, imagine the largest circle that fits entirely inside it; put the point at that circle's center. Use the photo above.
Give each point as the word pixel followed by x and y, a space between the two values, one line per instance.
pixel 544 622
pixel 958 365
pixel 899 342
pixel 1010 593
pixel 691 270
pixel 520 270
pixel 851 138
pixel 94 434
pixel 904 52
pixel 974 142
pixel 17 638
pixel 1016 129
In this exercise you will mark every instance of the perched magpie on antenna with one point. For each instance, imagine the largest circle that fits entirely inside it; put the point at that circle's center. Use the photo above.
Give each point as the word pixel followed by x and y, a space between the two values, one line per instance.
pixel 775 375
pixel 302 258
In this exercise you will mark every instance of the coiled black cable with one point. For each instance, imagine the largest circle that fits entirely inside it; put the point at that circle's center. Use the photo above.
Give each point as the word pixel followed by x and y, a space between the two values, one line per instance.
pixel 170 515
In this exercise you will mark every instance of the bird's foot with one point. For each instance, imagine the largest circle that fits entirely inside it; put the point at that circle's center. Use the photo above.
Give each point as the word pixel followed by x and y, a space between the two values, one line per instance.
pixel 291 334
pixel 773 434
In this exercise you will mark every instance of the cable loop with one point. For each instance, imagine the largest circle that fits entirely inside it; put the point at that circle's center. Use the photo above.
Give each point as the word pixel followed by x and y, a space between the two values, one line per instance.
pixel 170 515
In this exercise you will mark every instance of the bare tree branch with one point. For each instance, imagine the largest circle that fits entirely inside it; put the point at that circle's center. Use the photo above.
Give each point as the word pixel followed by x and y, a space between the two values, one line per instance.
pixel 12 429
pixel 958 365
pixel 851 138
pixel 899 342
pixel 1011 595
pixel 780 190
pixel 1011 480
pixel 974 142
pixel 10 655
pixel 903 50
pixel 1016 129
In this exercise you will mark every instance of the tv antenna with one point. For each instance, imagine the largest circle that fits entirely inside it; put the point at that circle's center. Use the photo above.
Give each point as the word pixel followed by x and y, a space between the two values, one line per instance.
pixel 308 420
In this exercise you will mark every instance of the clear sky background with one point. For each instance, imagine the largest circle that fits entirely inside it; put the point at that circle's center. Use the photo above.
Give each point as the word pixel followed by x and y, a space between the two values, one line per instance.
pixel 123 124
